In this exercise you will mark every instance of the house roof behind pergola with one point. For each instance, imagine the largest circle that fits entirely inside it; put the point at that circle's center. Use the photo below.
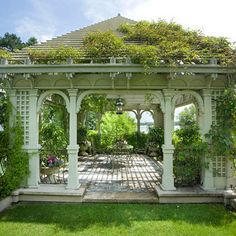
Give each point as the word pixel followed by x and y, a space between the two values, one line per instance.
pixel 75 38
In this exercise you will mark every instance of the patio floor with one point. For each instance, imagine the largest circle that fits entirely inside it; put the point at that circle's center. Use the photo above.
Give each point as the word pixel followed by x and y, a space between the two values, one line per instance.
pixel 122 173
pixel 115 178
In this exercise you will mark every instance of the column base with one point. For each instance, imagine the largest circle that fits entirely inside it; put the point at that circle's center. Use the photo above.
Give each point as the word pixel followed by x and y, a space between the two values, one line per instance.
pixel 167 188
pixel 205 188
pixel 73 178
pixel 207 177
pixel 76 187
pixel 34 176
pixel 167 177
pixel 33 186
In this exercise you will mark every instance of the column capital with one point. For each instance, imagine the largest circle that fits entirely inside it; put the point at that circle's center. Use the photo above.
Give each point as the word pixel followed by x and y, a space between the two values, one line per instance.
pixel 33 92
pixel 168 92
pixel 72 92
pixel 11 92
pixel 206 92
pixel 32 148
pixel 138 116
pixel 168 149
pixel 72 148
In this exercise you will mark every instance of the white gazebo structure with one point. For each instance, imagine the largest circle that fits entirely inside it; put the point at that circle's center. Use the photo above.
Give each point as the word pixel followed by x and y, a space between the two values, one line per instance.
pixel 29 84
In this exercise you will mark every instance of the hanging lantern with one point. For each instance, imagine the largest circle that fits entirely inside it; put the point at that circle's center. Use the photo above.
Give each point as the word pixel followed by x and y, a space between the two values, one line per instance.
pixel 119 106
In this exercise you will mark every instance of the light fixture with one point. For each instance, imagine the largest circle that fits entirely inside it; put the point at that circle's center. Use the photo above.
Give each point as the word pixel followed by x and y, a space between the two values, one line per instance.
pixel 119 106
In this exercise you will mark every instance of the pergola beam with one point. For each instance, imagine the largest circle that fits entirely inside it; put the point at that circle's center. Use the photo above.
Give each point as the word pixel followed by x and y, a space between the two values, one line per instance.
pixel 114 68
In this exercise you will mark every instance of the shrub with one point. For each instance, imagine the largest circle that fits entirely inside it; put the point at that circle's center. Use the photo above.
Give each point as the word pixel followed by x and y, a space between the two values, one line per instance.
pixel 189 150
pixel 137 140
pixel 95 139
pixel 115 127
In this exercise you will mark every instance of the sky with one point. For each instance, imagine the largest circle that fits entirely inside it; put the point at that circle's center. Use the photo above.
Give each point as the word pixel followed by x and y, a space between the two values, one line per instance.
pixel 45 19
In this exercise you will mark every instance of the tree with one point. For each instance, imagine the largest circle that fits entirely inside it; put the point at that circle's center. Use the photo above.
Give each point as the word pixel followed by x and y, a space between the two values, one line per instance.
pixel 31 41
pixel 13 42
pixel 187 117
pixel 115 127
pixel 189 149
pixel 92 108
pixel 54 126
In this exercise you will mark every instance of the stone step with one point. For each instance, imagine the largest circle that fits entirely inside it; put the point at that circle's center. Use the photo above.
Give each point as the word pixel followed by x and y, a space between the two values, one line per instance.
pixel 120 197
pixel 189 195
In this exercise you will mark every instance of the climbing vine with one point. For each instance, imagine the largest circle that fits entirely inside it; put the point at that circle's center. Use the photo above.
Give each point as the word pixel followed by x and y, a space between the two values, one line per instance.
pixel 13 159
pixel 222 134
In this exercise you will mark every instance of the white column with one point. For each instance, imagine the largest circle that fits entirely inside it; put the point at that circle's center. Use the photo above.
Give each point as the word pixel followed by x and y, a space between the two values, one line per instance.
pixel 33 147
pixel 138 118
pixel 230 174
pixel 168 148
pixel 12 97
pixel 158 117
pixel 73 148
pixel 206 119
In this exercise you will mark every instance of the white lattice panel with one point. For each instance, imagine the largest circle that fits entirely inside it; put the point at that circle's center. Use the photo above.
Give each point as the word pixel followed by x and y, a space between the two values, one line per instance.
pixel 22 106
pixel 219 163
pixel 215 95
pixel 219 166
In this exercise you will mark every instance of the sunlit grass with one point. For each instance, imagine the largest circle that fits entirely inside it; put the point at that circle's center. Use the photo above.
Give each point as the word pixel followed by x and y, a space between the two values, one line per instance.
pixel 117 219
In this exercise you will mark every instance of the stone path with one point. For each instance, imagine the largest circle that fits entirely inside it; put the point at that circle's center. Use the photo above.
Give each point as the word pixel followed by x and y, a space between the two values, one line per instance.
pixel 122 173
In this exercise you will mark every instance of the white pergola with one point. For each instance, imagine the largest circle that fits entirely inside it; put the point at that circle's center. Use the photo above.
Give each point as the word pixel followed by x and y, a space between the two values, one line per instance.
pixel 29 84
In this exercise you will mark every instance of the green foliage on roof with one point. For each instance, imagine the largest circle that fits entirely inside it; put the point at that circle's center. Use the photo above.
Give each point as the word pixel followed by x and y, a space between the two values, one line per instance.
pixel 173 42
pixel 103 44
pixel 55 55
pixel 145 43
pixel 4 54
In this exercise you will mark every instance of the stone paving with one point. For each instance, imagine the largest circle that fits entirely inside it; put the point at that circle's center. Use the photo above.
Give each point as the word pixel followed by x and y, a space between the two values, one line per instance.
pixel 118 173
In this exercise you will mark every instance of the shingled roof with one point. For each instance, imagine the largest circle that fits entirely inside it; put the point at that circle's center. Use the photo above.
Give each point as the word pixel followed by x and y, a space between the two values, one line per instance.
pixel 75 38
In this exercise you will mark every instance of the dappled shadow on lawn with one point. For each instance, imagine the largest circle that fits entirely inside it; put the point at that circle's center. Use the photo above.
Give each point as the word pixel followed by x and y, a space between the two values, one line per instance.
pixel 78 217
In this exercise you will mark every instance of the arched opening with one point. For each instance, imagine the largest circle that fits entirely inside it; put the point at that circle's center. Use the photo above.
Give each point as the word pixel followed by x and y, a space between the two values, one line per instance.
pixel 188 142
pixel 146 121
pixel 114 162
pixel 53 138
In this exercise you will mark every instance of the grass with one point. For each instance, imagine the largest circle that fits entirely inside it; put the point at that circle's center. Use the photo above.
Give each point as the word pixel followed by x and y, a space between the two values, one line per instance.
pixel 117 219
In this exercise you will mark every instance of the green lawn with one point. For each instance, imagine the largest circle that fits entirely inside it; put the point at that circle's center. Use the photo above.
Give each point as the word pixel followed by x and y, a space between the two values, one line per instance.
pixel 117 219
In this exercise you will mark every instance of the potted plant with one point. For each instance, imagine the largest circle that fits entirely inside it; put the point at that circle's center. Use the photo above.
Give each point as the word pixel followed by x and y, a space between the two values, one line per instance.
pixel 50 165
pixel 83 142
